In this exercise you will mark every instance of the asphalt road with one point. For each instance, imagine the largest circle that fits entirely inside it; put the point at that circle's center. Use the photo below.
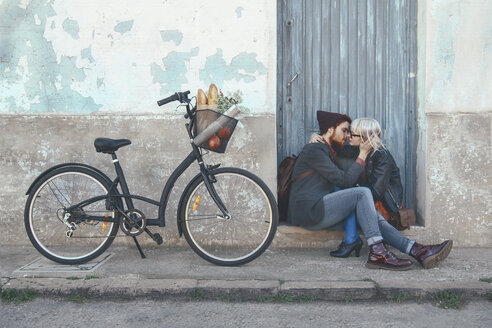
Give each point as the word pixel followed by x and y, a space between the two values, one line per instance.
pixel 79 312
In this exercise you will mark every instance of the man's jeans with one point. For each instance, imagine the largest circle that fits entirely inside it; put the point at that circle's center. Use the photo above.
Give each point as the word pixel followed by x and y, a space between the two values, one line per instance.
pixel 339 205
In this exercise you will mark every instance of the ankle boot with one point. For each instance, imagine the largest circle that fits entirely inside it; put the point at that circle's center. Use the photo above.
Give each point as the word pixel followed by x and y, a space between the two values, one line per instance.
pixel 430 255
pixel 344 250
pixel 381 258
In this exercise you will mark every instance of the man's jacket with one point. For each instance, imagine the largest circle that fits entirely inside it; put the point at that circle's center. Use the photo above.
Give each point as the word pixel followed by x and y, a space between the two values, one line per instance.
pixel 306 206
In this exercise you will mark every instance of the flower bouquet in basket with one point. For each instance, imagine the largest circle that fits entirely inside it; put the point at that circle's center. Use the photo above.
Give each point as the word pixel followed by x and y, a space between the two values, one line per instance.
pixel 215 121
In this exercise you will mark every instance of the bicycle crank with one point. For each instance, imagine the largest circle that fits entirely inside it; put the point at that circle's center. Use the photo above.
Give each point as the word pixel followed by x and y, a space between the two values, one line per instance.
pixel 133 222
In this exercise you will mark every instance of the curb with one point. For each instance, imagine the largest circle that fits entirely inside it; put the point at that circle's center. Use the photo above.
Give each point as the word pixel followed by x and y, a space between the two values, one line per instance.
pixel 245 290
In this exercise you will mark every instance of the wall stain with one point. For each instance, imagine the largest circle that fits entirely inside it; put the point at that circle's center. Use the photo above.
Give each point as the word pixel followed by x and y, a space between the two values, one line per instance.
pixel 243 67
pixel 71 27
pixel 444 52
pixel 124 27
pixel 87 53
pixel 46 84
pixel 172 35
pixel 239 11
pixel 174 73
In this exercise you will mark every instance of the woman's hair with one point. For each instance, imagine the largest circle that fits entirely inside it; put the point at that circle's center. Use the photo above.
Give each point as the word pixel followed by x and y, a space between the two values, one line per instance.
pixel 368 127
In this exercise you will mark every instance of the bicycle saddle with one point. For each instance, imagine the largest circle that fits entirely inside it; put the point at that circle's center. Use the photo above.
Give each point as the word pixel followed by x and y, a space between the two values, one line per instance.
pixel 107 146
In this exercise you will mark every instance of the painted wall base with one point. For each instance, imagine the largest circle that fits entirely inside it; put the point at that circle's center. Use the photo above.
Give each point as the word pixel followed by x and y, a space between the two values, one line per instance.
pixel 457 203
pixel 31 144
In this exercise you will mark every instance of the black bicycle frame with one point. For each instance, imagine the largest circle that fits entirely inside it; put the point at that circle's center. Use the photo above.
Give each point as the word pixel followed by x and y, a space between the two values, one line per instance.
pixel 161 220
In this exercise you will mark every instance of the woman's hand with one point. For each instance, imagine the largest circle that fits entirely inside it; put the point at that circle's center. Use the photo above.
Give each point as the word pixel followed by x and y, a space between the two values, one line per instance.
pixel 315 138
pixel 365 149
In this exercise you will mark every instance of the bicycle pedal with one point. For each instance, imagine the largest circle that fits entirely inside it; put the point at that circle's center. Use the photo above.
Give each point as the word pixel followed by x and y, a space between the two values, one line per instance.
pixel 157 238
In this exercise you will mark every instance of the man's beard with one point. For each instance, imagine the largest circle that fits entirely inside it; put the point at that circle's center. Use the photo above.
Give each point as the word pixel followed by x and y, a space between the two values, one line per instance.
pixel 335 143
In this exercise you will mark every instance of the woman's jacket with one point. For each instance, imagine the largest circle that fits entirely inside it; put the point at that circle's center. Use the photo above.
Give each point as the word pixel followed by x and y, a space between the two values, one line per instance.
pixel 383 179
pixel 382 175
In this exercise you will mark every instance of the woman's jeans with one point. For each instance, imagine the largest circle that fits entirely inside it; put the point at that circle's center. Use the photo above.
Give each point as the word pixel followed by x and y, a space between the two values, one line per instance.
pixel 339 205
pixel 350 226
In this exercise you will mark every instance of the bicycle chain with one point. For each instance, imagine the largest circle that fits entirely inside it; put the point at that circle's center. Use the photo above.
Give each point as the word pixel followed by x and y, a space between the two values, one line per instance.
pixel 124 220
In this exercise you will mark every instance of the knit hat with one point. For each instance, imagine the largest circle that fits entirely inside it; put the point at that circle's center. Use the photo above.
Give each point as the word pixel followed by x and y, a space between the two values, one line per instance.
pixel 327 120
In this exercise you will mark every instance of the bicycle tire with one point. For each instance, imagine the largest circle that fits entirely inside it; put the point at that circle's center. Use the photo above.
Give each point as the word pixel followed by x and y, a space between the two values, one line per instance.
pixel 240 239
pixel 43 215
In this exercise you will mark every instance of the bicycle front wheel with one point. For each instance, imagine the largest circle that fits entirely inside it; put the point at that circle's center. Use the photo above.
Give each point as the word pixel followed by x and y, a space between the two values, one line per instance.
pixel 243 237
pixel 50 234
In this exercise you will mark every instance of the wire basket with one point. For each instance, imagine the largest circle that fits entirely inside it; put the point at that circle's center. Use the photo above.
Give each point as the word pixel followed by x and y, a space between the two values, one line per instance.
pixel 216 128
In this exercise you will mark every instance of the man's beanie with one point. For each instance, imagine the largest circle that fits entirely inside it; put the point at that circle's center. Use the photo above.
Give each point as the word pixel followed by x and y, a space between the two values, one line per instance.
pixel 327 120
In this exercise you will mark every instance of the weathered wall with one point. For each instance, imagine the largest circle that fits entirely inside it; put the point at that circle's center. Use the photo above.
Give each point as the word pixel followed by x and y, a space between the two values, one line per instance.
pixel 454 152
pixel 159 144
pixel 455 109
pixel 75 70
pixel 80 57
pixel 72 71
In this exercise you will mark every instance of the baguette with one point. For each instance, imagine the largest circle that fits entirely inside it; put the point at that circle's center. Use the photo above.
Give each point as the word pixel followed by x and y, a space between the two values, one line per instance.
pixel 201 97
pixel 213 95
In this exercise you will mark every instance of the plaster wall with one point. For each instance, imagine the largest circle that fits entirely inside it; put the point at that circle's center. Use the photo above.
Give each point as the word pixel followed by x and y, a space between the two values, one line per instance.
pixel 454 118
pixel 80 57
pixel 75 70
pixel 159 144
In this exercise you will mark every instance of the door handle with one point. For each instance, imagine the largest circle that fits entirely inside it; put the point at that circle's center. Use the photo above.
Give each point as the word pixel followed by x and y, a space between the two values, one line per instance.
pixel 293 79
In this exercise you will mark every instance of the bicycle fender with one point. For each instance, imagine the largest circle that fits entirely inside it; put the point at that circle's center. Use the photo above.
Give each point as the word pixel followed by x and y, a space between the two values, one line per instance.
pixel 63 165
pixel 182 200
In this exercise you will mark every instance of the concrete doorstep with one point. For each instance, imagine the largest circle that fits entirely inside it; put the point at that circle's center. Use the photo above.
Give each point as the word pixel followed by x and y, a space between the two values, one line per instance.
pixel 279 275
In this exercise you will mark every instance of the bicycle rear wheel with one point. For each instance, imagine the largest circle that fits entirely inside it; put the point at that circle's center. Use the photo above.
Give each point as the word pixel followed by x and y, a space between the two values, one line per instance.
pixel 243 237
pixel 44 216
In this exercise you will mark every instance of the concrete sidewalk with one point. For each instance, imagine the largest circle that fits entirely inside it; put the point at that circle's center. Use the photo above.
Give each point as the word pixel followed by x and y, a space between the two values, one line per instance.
pixel 299 274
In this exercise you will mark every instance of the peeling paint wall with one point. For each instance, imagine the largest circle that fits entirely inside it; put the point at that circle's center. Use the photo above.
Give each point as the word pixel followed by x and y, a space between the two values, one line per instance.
pixel 80 57
pixel 459 51
pixel 71 71
pixel 455 110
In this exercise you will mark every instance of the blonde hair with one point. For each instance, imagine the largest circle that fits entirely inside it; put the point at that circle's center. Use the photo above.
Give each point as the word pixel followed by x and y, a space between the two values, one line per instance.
pixel 369 128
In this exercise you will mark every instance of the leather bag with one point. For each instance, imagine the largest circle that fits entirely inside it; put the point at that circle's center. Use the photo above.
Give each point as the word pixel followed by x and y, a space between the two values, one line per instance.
pixel 404 218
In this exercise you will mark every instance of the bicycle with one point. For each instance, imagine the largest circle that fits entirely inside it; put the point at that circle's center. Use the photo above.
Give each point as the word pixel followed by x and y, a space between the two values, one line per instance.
pixel 228 215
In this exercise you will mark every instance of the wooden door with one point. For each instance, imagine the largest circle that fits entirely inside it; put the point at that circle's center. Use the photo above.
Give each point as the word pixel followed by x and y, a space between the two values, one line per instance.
pixel 356 57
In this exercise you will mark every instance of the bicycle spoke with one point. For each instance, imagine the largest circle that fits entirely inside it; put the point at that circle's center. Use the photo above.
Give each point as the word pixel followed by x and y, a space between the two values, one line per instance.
pixel 205 217
pixel 54 194
pixel 240 238
pixel 45 222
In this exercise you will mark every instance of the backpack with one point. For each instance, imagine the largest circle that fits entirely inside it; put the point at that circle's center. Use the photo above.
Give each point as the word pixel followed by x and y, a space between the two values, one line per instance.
pixel 284 181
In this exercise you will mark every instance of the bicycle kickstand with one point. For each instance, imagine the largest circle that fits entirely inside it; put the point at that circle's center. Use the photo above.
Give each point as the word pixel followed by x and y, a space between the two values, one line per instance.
pixel 138 247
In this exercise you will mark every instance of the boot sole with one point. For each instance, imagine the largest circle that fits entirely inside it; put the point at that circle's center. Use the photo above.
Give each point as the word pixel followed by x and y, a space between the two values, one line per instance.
pixel 433 260
pixel 387 267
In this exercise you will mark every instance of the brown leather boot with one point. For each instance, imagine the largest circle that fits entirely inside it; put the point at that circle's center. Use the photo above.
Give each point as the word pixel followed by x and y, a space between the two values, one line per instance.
pixel 429 256
pixel 381 258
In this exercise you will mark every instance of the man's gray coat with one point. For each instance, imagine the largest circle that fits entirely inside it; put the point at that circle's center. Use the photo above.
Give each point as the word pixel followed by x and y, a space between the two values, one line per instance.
pixel 306 206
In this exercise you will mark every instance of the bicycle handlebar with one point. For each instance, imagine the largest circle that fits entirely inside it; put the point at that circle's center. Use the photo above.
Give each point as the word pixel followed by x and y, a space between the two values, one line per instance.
pixel 181 96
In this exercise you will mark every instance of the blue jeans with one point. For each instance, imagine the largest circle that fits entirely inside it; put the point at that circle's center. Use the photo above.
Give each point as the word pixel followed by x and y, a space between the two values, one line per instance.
pixel 350 226
pixel 340 204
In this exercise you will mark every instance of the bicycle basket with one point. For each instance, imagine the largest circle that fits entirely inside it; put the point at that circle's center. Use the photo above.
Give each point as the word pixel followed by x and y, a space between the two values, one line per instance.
pixel 217 128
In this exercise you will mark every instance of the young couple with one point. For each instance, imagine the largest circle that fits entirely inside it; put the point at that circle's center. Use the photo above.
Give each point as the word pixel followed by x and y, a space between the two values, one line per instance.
pixel 328 198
